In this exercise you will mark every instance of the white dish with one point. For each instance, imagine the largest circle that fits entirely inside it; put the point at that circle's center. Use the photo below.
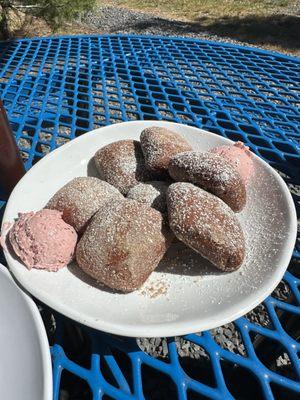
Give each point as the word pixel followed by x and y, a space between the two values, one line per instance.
pixel 173 302
pixel 25 367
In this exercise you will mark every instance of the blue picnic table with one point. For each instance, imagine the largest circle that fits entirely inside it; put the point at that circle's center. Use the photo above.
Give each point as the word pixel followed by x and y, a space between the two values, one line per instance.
pixel 57 88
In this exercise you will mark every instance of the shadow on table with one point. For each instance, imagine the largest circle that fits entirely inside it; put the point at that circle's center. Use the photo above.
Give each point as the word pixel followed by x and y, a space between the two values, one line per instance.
pixel 5 48
pixel 278 30
pixel 282 30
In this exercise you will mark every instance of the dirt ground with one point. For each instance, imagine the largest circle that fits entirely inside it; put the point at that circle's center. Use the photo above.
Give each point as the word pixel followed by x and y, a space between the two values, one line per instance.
pixel 270 24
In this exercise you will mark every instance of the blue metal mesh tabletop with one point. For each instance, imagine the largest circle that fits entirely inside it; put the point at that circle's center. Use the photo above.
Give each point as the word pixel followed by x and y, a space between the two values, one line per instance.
pixel 55 89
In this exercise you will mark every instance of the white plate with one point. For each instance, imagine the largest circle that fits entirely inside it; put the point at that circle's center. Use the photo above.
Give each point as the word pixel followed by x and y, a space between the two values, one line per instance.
pixel 25 366
pixel 181 300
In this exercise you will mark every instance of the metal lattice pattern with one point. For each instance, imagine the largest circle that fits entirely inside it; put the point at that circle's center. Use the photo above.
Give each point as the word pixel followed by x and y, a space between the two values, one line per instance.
pixel 58 88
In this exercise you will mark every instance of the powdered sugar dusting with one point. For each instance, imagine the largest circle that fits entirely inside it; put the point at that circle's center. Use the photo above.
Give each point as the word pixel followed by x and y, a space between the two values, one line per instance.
pixel 123 244
pixel 264 231
pixel 127 166
pixel 159 145
pixel 262 222
pixel 122 164
pixel 81 198
pixel 206 224
pixel 152 194
pixel 212 173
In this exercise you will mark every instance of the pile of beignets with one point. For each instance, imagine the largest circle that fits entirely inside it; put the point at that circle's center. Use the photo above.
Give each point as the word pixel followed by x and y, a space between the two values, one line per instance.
pixel 148 192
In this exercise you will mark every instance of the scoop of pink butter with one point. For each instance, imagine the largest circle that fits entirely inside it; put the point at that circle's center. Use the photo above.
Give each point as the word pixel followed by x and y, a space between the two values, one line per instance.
pixel 240 156
pixel 43 240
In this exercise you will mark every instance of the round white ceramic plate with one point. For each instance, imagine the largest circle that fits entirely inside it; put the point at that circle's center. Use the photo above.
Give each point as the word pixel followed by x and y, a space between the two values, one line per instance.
pixel 185 294
pixel 25 366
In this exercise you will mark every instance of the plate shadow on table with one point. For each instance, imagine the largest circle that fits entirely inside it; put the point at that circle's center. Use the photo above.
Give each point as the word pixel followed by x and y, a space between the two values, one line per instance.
pixel 182 260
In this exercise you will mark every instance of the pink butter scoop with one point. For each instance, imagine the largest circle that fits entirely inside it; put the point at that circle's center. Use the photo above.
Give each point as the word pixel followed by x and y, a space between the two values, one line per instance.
pixel 240 156
pixel 43 240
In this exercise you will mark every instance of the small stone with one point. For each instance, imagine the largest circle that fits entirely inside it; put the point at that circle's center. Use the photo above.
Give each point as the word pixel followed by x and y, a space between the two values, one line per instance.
pixel 165 348
pixel 228 333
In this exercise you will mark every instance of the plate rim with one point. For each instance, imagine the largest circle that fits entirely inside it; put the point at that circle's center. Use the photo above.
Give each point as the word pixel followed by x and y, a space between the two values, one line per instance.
pixel 171 328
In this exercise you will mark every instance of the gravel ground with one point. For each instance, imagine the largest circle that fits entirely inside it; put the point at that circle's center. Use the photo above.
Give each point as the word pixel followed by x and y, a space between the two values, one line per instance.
pixel 115 20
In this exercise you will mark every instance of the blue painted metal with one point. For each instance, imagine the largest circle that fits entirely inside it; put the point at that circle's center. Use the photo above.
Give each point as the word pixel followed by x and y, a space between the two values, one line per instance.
pixel 55 89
